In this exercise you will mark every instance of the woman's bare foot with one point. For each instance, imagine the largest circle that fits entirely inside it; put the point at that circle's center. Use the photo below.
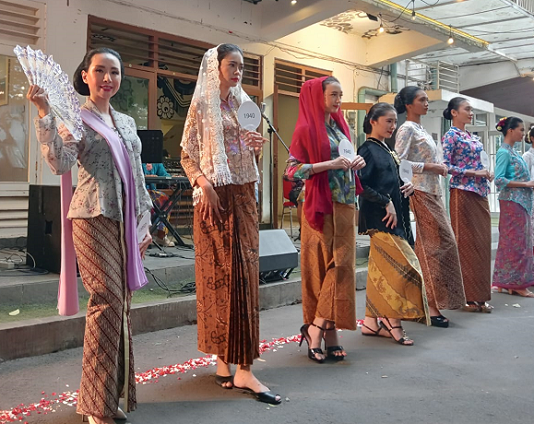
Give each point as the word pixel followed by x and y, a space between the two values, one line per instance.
pixel 223 370
pixel 394 327
pixel 331 341
pixel 370 327
pixel 316 336
pixel 244 379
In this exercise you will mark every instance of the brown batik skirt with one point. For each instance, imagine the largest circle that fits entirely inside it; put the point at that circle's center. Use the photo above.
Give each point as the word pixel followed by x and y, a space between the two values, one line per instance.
pixel 328 268
pixel 108 364
pixel 227 277
pixel 395 285
pixel 436 249
pixel 471 223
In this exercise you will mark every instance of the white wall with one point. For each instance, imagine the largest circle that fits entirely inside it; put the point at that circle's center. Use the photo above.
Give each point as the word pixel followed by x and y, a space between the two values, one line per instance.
pixel 212 22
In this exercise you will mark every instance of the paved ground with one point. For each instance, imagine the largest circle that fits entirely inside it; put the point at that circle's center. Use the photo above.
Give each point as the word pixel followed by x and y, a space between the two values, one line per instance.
pixel 480 370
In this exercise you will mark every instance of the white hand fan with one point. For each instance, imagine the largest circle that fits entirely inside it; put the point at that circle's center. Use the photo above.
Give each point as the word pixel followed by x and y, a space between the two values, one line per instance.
pixel 41 70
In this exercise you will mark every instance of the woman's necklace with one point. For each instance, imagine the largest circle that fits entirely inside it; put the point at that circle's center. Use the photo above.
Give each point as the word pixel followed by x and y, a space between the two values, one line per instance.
pixel 386 148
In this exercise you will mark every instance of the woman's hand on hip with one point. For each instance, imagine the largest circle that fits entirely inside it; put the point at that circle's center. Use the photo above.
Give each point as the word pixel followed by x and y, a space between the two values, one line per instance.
pixel 391 215
pixel 39 98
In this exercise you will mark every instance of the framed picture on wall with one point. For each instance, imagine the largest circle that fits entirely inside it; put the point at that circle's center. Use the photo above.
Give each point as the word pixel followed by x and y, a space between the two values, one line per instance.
pixel 4 80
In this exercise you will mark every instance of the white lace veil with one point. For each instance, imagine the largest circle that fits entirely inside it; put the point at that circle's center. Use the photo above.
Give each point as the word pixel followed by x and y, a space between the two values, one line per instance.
pixel 205 128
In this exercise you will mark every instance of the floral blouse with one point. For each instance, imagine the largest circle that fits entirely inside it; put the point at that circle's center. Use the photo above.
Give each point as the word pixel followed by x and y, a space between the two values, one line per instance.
pixel 99 187
pixel 342 188
pixel 461 152
pixel 416 145
pixel 510 166
pixel 241 158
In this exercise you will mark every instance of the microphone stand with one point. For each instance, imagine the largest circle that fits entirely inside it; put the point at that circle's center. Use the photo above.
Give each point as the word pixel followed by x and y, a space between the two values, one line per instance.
pixel 272 130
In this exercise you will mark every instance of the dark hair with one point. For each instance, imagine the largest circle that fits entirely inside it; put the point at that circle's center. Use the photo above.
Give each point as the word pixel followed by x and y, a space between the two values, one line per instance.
pixel 225 49
pixel 329 80
pixel 376 111
pixel 406 97
pixel 454 104
pixel 530 134
pixel 79 85
pixel 510 123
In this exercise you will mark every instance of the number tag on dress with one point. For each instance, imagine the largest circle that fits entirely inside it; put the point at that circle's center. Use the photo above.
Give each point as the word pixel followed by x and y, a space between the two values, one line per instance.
pixel 484 159
pixel 346 149
pixel 249 115
pixel 405 171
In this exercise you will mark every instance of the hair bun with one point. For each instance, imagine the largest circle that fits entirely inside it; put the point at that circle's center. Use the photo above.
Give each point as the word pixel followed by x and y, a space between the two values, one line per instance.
pixel 399 104
pixel 447 114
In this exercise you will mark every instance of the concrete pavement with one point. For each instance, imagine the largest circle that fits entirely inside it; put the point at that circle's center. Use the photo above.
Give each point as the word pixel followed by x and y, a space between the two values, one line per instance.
pixel 480 370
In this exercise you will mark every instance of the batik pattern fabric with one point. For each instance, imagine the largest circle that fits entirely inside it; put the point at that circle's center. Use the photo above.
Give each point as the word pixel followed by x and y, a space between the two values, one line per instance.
pixel 514 261
pixel 395 285
pixel 328 268
pixel 227 277
pixel 436 249
pixel 461 152
pixel 108 362
pixel 471 223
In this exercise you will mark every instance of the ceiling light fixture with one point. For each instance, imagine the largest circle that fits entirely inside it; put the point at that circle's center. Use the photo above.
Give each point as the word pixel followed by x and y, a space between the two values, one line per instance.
pixel 450 41
pixel 381 29
pixel 413 10
pixel 293 2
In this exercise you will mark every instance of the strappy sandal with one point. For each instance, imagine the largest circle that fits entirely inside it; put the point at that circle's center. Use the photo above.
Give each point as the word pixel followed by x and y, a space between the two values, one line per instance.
pixel 312 352
pixel 478 307
pixel 374 333
pixel 224 380
pixel 331 350
pixel 522 293
pixel 404 340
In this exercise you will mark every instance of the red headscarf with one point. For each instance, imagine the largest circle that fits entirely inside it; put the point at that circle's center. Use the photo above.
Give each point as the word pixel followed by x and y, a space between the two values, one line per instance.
pixel 310 144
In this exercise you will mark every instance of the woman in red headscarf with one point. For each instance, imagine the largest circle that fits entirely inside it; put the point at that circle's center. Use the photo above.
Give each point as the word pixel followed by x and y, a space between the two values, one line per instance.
pixel 328 227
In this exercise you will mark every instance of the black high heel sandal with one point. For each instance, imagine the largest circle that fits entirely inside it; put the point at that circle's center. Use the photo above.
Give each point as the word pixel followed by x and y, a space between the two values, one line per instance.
pixel 331 350
pixel 404 340
pixel 312 352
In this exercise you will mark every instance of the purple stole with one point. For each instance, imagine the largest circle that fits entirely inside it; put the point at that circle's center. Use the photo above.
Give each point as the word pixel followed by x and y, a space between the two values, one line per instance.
pixel 135 274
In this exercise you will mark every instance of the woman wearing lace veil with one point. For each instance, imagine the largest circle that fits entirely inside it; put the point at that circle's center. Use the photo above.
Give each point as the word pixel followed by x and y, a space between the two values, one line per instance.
pixel 219 159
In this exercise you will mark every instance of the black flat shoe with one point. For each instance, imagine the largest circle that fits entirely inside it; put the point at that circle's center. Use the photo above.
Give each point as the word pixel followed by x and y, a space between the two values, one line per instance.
pixel 221 380
pixel 265 397
pixel 439 321
pixel 312 352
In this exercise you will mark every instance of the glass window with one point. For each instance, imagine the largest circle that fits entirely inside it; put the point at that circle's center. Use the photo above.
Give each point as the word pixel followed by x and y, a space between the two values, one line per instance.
pixel 14 147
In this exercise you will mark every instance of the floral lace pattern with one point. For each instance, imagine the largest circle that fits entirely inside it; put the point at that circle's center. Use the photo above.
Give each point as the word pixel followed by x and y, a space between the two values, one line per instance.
pixel 204 146
pixel 461 152
pixel 99 187
pixel 415 144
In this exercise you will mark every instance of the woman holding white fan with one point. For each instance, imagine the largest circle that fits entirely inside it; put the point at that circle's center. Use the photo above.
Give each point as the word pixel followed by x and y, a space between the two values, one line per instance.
pixel 328 227
pixel 435 245
pixel 109 199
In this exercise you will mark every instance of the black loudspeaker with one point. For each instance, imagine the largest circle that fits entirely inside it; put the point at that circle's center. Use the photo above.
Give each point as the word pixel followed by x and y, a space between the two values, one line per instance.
pixel 152 146
pixel 278 256
pixel 44 228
